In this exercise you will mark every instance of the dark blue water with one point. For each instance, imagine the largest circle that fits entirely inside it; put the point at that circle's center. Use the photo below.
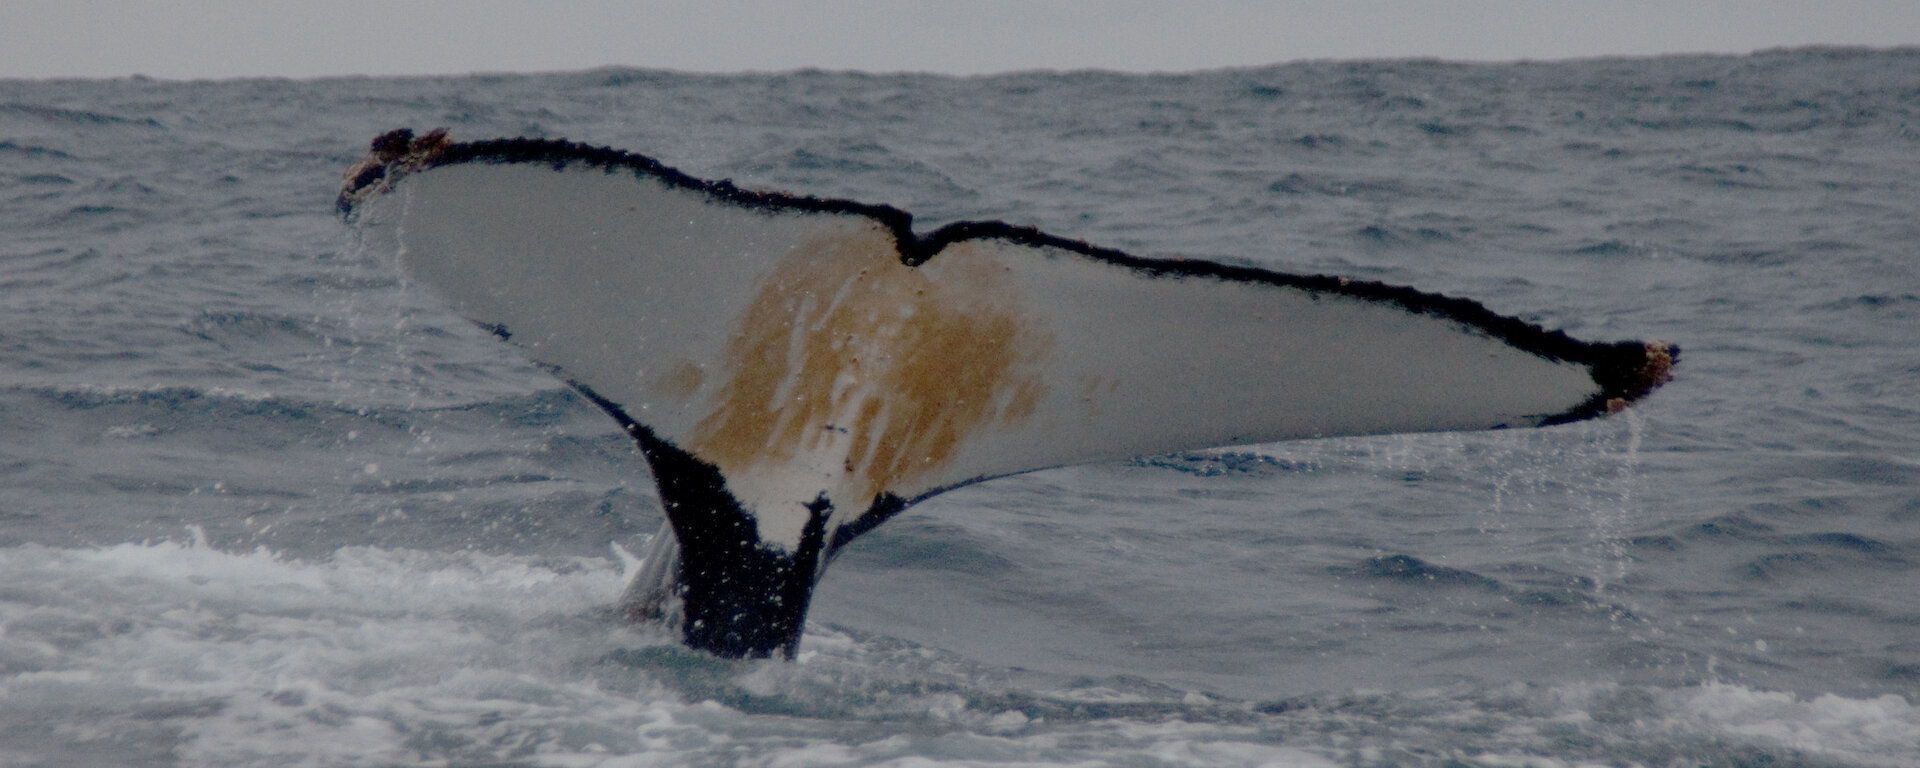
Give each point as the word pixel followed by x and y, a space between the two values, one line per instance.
pixel 261 504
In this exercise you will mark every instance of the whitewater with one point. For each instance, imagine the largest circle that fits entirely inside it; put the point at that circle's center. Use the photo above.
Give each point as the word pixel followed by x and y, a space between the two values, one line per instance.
pixel 266 504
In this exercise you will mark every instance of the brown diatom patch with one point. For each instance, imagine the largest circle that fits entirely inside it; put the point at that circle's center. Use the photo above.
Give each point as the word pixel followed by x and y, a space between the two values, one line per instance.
pixel 392 155
pixel 680 381
pixel 1655 368
pixel 888 367
pixel 1658 369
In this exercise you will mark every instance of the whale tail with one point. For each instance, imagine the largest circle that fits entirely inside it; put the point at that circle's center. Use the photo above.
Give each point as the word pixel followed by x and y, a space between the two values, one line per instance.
pixel 797 370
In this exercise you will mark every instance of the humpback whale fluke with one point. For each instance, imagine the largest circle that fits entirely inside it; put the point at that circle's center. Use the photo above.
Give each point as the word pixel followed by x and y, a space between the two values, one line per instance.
pixel 797 370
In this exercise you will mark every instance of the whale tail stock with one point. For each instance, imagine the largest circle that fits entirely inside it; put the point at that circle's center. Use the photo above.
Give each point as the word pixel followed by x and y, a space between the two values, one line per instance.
pixel 797 370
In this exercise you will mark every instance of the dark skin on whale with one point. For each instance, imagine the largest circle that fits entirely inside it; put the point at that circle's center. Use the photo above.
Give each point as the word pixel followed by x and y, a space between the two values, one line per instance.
pixel 797 370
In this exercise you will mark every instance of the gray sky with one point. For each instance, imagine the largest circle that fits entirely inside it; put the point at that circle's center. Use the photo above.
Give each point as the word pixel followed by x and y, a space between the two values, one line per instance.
pixel 311 38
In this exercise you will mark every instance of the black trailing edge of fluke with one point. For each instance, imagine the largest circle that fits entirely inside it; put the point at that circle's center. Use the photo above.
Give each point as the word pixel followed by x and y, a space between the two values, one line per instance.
pixel 797 370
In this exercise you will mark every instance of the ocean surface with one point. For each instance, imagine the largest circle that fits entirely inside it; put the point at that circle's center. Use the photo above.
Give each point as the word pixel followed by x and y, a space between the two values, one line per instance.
pixel 263 504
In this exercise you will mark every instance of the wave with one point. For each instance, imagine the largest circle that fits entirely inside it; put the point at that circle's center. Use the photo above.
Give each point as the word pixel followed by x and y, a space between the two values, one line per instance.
pixel 173 650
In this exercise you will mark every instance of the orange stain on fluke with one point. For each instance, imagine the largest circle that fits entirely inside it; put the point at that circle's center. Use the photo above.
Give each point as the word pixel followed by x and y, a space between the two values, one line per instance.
pixel 847 350
pixel 681 381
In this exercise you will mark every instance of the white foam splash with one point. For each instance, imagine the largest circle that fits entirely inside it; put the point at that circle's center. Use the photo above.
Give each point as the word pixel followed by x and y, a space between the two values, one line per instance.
pixel 147 653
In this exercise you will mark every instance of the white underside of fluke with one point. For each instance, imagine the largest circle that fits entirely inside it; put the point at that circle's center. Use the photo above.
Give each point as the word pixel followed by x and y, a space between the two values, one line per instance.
pixel 792 348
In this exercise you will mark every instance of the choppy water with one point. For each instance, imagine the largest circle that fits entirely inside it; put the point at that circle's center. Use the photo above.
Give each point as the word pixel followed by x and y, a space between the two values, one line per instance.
pixel 263 505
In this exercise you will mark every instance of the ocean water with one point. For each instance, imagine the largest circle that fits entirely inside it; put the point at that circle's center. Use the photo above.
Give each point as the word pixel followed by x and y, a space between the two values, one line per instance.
pixel 262 504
